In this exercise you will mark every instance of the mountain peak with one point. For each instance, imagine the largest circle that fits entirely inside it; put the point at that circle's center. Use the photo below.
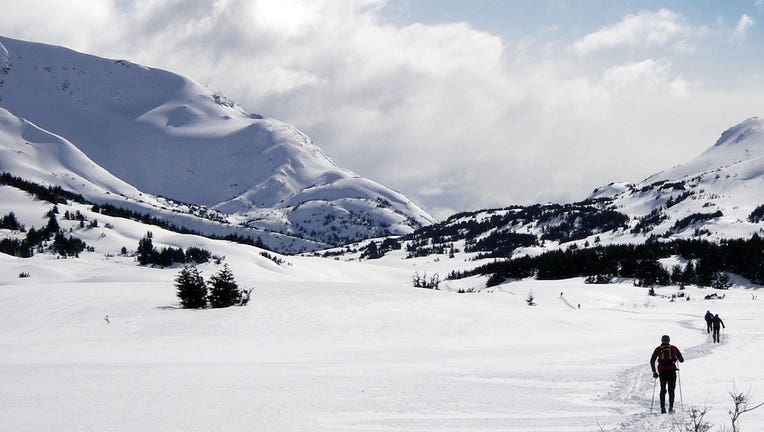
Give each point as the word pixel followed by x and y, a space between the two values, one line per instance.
pixel 749 128
pixel 169 136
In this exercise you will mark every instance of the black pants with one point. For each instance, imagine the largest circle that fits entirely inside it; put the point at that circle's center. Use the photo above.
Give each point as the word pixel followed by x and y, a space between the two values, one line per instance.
pixel 708 326
pixel 716 334
pixel 668 379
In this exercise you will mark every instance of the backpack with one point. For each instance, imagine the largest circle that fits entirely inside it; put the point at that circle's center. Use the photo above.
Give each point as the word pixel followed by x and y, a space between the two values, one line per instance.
pixel 666 356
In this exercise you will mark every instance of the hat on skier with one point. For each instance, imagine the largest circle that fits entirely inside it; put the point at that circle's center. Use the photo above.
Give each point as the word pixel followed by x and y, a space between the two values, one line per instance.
pixel 665 338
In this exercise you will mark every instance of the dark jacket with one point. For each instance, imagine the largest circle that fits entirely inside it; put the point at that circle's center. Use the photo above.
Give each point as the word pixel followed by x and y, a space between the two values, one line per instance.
pixel 667 356
pixel 717 322
pixel 709 316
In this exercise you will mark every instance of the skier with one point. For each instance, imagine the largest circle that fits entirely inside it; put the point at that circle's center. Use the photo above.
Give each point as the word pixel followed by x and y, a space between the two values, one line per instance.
pixel 667 355
pixel 716 323
pixel 709 321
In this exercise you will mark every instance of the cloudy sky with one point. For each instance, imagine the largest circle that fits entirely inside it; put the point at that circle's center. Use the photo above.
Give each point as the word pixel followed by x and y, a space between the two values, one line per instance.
pixel 458 104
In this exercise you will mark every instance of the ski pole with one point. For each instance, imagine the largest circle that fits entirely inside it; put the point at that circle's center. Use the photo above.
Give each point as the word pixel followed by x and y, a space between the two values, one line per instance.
pixel 681 398
pixel 652 401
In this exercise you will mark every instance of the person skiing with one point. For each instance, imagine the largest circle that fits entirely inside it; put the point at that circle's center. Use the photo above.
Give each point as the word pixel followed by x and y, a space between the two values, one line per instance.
pixel 667 356
pixel 709 321
pixel 716 323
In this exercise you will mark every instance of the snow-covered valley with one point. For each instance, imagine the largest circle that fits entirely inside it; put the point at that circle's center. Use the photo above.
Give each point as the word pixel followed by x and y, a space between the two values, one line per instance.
pixel 328 345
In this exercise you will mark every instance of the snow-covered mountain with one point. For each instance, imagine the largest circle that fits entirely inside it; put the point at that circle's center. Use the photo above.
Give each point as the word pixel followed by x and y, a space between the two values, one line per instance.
pixel 34 154
pixel 167 136
pixel 714 195
pixel 718 195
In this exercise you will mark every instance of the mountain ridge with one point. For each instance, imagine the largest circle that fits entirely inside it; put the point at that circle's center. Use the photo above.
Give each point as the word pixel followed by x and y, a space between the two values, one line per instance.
pixel 716 196
pixel 171 137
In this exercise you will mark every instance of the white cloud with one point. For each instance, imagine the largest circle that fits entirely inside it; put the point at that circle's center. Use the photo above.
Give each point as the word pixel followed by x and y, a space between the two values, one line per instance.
pixel 647 75
pixel 743 25
pixel 646 28
pixel 449 115
pixel 51 20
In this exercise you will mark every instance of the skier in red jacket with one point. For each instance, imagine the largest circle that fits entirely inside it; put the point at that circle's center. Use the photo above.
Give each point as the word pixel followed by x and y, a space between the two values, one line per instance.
pixel 667 356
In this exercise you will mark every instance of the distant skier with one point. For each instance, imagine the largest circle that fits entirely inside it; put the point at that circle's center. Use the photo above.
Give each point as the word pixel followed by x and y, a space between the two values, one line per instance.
pixel 709 321
pixel 717 322
pixel 667 356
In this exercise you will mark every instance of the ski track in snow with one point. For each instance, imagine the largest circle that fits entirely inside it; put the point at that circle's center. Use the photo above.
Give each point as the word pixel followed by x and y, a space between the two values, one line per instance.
pixel 634 384
pixel 564 300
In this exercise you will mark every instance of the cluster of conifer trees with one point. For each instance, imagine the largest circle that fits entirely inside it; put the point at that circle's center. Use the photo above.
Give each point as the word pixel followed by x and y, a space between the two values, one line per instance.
pixel 221 291
pixel 167 256
pixel 39 239
pixel 707 263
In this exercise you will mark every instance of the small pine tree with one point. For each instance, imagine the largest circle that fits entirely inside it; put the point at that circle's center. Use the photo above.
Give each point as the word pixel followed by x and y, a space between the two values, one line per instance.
pixel 192 290
pixel 530 300
pixel 371 252
pixel 52 227
pixel 721 281
pixel 146 252
pixel 688 274
pixel 224 291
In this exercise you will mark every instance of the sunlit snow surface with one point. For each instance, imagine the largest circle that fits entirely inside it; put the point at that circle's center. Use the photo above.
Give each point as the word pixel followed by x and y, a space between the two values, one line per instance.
pixel 127 134
pixel 328 345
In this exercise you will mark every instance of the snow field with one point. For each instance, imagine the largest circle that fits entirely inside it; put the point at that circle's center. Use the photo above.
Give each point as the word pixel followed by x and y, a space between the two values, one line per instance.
pixel 332 346
pixel 328 345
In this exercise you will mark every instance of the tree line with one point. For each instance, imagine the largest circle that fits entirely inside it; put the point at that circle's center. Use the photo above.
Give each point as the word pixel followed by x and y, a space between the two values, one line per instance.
pixel 58 195
pixel 707 263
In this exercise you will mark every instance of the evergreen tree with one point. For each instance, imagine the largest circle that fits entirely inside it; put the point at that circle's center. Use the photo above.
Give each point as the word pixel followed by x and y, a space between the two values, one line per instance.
pixel 68 246
pixel 688 274
pixel 10 222
pixel 52 227
pixel 197 255
pixel 167 256
pixel 192 290
pixel 651 272
pixel 721 281
pixel 371 252
pixel 19 248
pixel 704 272
pixel 530 299
pixel 146 252
pixel 224 291
pixel 676 275
pixel 35 237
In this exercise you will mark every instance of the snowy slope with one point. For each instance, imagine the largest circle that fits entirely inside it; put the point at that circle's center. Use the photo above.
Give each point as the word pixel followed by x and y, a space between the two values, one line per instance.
pixel 38 156
pixel 34 153
pixel 727 178
pixel 329 346
pixel 169 136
